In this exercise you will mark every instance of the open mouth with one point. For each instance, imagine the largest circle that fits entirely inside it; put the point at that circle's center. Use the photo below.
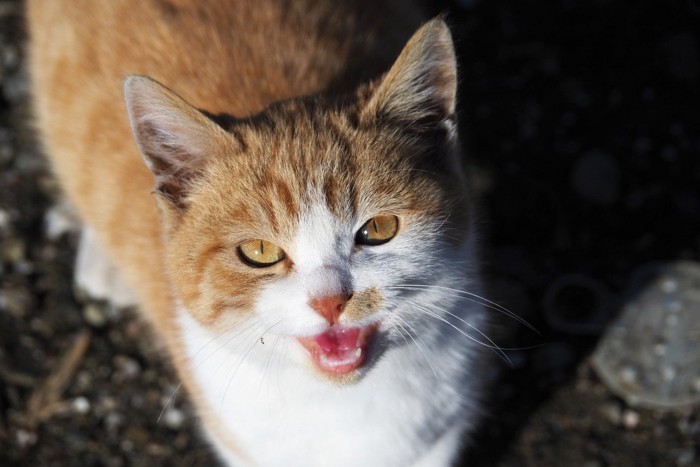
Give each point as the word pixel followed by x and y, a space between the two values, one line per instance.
pixel 339 349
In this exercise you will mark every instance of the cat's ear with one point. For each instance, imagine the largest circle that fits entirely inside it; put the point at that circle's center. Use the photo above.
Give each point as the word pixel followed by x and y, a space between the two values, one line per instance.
pixel 420 89
pixel 174 138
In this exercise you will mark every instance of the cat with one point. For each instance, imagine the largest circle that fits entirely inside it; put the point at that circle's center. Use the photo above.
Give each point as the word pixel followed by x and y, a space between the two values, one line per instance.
pixel 279 186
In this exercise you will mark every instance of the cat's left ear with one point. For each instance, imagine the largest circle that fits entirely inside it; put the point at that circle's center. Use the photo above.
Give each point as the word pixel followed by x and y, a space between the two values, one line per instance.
pixel 420 89
pixel 174 138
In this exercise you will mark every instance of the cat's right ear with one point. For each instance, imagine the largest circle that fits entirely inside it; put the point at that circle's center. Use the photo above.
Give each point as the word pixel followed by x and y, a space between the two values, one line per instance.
pixel 420 89
pixel 174 138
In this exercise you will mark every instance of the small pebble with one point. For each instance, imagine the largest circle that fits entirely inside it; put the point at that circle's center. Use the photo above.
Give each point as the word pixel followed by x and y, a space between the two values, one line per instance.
pixel 674 306
pixel 660 349
pixel 108 403
pixel 669 286
pixel 696 384
pixel 630 419
pixel 173 418
pixel 16 87
pixel 25 438
pixel 83 381
pixel 113 421
pixel 126 368
pixel 612 412
pixel 126 445
pixel 81 405
pixel 668 373
pixel 628 375
pixel 13 250
pixel 10 57
pixel 4 220
pixel 686 457
pixel 17 301
pixel 94 315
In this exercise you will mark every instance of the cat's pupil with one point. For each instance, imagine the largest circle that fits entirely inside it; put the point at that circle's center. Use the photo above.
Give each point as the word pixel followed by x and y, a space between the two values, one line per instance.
pixel 260 253
pixel 378 230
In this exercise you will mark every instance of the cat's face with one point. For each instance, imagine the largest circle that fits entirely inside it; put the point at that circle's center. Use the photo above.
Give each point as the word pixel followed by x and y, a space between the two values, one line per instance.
pixel 310 221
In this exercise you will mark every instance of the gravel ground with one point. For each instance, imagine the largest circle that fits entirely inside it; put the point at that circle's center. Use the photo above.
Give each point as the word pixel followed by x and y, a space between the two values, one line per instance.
pixel 581 125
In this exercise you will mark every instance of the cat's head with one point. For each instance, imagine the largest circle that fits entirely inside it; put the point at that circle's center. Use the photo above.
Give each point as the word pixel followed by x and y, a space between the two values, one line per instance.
pixel 316 218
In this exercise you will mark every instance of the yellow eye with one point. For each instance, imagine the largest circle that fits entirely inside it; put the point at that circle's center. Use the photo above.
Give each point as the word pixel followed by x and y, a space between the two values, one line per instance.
pixel 377 230
pixel 260 253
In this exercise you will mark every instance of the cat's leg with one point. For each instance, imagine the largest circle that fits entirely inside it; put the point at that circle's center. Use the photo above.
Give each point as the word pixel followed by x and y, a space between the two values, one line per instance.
pixel 444 451
pixel 96 276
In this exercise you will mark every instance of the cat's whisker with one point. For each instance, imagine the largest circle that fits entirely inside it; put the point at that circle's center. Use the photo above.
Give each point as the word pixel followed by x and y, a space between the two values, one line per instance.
pixel 267 362
pixel 443 310
pixel 463 293
pixel 242 337
pixel 170 399
pixel 491 345
pixel 194 356
pixel 470 296
pixel 240 361
pixel 253 318
pixel 399 322
pixel 280 358
pixel 441 228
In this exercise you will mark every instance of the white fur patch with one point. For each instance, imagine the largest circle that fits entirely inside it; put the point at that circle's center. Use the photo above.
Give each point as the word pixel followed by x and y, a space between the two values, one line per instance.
pixel 97 276
pixel 419 383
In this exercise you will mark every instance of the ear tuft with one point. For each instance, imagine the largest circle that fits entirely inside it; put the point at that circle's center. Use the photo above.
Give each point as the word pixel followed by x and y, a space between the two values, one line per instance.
pixel 421 87
pixel 174 138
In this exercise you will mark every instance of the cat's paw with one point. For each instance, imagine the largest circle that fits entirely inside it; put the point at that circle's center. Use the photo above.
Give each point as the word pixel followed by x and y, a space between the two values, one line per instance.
pixel 97 277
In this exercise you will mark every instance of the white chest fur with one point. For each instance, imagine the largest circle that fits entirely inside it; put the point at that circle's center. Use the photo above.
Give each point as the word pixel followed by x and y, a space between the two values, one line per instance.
pixel 403 412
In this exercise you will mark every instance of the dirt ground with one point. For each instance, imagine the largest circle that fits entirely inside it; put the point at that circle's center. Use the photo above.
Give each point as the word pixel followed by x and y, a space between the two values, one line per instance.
pixel 581 129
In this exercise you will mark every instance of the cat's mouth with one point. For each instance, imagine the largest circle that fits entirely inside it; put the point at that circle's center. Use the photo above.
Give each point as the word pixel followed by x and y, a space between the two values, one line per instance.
pixel 340 349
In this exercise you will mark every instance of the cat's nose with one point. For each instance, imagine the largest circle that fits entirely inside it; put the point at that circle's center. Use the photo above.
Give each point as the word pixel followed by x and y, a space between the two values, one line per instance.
pixel 329 307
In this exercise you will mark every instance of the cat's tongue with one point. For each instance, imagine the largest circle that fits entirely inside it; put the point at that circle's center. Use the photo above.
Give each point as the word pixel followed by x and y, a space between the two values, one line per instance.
pixel 340 349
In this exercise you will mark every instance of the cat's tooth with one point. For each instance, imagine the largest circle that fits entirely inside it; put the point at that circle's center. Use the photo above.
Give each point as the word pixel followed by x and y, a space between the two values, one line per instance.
pixel 330 363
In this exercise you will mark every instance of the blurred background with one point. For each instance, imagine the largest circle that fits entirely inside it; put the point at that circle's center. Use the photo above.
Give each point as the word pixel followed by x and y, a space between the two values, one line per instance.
pixel 581 127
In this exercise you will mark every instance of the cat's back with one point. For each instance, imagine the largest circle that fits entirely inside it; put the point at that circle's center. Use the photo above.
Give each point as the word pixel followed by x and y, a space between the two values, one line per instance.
pixel 233 56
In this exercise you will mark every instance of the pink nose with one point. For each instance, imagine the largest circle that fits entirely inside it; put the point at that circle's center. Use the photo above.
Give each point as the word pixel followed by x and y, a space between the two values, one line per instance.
pixel 329 307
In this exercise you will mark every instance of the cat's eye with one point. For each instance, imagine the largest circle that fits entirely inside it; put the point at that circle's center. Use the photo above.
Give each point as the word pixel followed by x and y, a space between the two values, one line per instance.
pixel 260 253
pixel 377 230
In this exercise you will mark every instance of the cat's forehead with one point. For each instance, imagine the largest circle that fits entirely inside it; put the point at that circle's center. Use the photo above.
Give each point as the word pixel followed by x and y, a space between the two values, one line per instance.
pixel 320 238
pixel 300 168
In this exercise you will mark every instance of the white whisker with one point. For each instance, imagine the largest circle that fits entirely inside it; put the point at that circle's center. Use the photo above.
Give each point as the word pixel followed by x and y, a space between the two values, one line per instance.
pixel 400 320
pixel 471 297
pixel 192 358
pixel 240 361
pixel 170 399
pixel 267 362
pixel 491 345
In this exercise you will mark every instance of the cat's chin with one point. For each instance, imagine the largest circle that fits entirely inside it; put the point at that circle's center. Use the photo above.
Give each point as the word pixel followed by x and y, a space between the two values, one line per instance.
pixel 340 351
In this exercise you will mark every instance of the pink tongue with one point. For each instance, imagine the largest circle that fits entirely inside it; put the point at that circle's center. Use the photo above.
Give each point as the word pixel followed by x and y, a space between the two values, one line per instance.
pixel 337 339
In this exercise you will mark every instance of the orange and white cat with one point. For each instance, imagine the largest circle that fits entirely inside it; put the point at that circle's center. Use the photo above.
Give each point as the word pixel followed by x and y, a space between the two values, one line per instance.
pixel 308 251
